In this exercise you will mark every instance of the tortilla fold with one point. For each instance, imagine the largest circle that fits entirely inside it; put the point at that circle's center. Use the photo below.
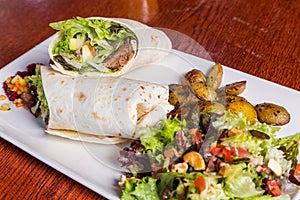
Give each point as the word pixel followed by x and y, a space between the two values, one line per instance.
pixel 101 109
pixel 152 46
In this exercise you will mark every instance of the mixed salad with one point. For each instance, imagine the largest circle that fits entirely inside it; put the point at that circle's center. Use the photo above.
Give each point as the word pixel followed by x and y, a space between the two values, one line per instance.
pixel 233 160
pixel 93 44
pixel 211 155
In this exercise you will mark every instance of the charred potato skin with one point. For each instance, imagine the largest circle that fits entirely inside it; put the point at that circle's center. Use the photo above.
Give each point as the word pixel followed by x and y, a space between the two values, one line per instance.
pixel 235 88
pixel 211 107
pixel 272 114
pixel 233 98
pixel 214 77
pixel 179 94
pixel 206 90
pixel 203 92
pixel 195 76
pixel 183 99
pixel 244 107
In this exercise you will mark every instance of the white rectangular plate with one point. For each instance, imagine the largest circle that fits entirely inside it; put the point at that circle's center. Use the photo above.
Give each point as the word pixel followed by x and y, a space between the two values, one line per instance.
pixel 95 165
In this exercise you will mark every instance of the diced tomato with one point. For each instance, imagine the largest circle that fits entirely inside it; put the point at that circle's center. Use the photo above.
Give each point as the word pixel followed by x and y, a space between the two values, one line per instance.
pixel 216 150
pixel 274 188
pixel 263 168
pixel 242 152
pixel 210 166
pixel 228 154
pixel 200 183
pixel 197 137
pixel 93 52
pixel 297 170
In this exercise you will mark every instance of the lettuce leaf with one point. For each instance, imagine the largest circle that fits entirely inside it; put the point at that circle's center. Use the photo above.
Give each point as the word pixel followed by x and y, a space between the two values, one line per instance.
pixel 291 147
pixel 256 146
pixel 212 191
pixel 230 120
pixel 154 139
pixel 146 189
pixel 239 183
pixel 269 197
pixel 103 36
pixel 36 82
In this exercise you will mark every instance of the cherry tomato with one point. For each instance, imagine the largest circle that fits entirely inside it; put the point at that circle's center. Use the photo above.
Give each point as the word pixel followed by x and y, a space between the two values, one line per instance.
pixel 227 152
pixel 273 186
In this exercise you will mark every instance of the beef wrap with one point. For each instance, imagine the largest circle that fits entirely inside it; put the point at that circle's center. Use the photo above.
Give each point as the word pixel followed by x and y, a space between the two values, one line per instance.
pixel 98 46
pixel 101 109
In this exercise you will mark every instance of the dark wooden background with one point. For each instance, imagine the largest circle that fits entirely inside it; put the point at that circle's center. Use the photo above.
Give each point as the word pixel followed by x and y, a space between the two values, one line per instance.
pixel 261 38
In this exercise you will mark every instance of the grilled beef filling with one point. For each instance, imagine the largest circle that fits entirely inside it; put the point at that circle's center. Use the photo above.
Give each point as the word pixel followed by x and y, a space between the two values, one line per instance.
pixel 120 57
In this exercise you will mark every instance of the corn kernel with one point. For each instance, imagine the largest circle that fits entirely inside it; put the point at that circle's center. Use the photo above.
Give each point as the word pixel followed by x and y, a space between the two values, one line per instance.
pixel 8 80
pixel 2 97
pixel 5 107
pixel 22 82
pixel 14 89
pixel 19 105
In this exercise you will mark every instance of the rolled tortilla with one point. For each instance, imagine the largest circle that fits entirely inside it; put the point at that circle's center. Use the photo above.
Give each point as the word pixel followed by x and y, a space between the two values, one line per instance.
pixel 152 45
pixel 101 109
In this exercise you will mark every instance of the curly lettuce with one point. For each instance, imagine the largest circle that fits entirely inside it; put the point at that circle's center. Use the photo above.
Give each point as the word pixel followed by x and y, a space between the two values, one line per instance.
pixel 155 138
pixel 35 81
pixel 239 182
pixel 144 189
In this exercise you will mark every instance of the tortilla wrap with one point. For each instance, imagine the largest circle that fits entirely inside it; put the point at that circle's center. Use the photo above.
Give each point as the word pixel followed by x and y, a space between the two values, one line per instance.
pixel 152 46
pixel 101 109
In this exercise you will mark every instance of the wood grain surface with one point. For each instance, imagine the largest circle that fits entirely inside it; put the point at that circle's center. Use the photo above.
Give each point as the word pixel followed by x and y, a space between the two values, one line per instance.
pixel 261 38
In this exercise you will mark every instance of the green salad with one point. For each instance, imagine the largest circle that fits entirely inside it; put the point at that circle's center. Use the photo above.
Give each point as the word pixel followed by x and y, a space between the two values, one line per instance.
pixel 233 160
pixel 92 44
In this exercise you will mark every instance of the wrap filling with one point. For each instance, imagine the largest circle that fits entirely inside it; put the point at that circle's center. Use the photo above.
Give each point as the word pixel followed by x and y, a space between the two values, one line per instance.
pixel 89 45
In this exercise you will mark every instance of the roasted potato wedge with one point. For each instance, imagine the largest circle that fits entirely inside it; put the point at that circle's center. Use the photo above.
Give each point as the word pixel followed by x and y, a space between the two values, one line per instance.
pixel 272 114
pixel 195 76
pixel 244 107
pixel 185 112
pixel 203 92
pixel 214 77
pixel 214 107
pixel 179 94
pixel 235 88
pixel 232 98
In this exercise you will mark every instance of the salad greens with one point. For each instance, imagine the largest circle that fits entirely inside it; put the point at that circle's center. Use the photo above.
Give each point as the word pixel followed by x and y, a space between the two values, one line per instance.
pixel 154 139
pixel 86 43
pixel 239 165
pixel 35 81
pixel 145 189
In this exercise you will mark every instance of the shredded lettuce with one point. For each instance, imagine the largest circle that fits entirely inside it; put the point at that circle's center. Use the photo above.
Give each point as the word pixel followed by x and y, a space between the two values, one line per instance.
pixel 103 36
pixel 36 82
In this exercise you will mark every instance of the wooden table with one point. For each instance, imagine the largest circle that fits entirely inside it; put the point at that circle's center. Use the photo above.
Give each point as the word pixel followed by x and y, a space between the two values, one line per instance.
pixel 261 38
